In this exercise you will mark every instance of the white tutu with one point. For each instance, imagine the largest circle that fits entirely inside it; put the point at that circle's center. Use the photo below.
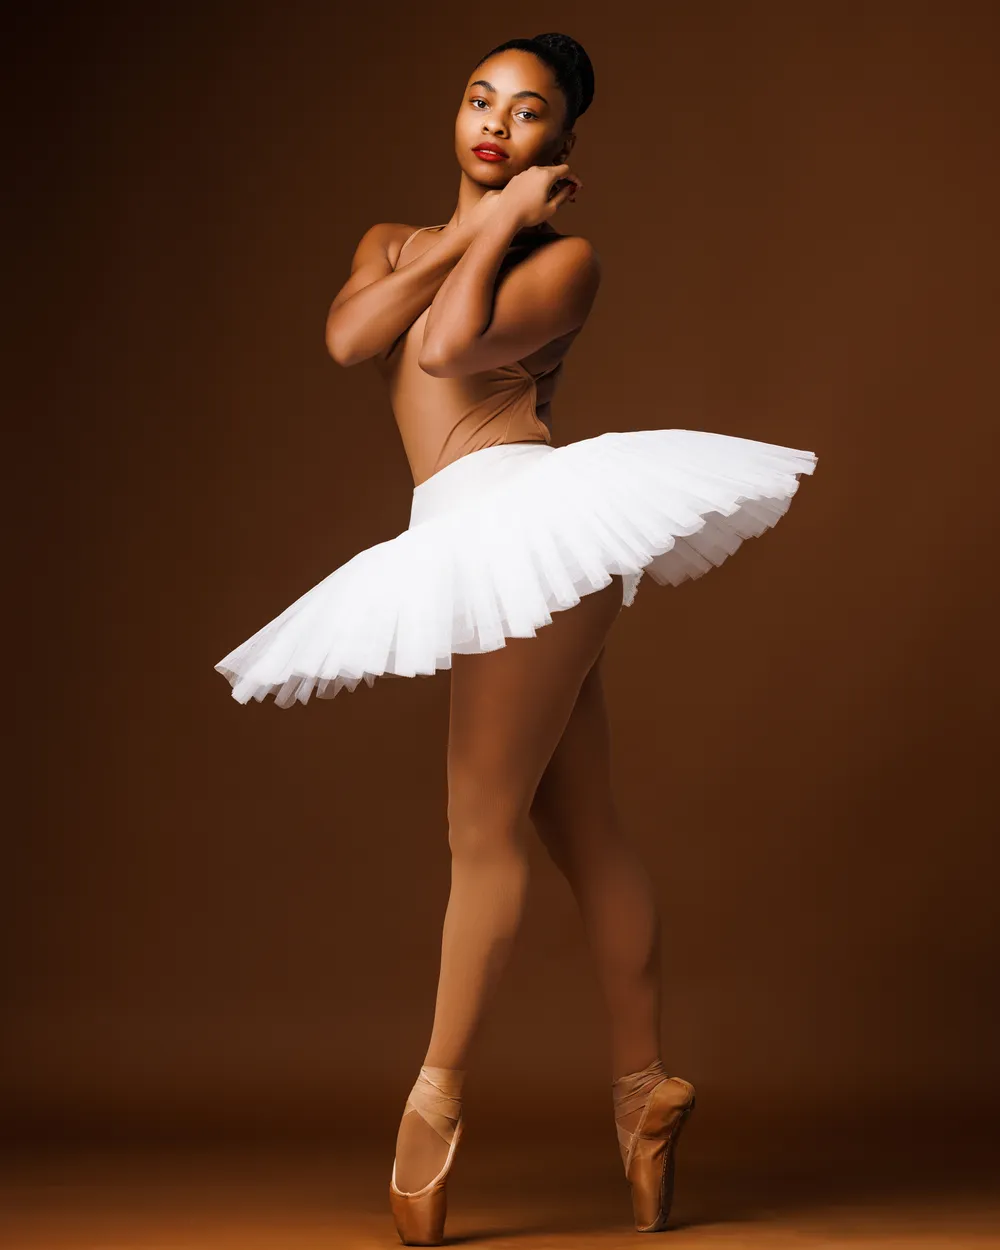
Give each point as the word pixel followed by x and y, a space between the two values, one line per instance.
pixel 505 536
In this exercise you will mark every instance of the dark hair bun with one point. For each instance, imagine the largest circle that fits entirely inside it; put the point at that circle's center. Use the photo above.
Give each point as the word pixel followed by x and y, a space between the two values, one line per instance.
pixel 569 63
pixel 575 65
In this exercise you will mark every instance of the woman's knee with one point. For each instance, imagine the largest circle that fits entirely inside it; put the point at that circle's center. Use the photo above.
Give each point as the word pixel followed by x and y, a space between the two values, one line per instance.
pixel 572 834
pixel 509 709
pixel 484 820
pixel 555 835
pixel 573 805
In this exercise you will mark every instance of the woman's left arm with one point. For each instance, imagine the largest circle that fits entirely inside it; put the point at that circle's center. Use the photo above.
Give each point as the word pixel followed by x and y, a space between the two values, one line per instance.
pixel 474 324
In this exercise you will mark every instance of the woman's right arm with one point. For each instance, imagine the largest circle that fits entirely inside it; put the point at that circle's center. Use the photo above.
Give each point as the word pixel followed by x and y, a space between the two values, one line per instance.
pixel 377 303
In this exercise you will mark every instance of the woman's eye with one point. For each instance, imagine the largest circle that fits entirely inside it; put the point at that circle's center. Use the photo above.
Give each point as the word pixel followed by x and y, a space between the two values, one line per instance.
pixel 522 113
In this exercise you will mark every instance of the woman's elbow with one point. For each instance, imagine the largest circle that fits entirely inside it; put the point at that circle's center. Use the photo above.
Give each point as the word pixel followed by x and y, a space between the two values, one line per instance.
pixel 435 362
pixel 340 349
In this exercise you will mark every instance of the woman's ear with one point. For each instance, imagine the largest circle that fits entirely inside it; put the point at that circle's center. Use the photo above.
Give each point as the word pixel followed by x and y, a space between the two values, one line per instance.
pixel 565 147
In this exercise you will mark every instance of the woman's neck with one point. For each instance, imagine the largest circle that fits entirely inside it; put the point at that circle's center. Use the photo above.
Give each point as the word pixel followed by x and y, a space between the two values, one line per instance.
pixel 469 195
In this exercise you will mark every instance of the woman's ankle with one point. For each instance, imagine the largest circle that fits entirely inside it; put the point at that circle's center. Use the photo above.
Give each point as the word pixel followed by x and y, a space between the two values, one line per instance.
pixel 450 1081
pixel 630 1092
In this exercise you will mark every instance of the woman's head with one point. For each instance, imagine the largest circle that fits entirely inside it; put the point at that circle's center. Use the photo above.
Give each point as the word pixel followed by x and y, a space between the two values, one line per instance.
pixel 523 97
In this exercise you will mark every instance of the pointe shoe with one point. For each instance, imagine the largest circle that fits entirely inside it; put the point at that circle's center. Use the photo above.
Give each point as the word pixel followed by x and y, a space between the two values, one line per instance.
pixel 648 1150
pixel 420 1214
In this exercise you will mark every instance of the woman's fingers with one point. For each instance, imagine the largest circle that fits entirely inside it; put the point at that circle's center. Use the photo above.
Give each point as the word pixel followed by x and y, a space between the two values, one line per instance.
pixel 564 193
pixel 571 184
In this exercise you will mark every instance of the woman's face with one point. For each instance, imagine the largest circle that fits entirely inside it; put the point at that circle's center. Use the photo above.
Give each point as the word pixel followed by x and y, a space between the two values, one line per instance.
pixel 512 102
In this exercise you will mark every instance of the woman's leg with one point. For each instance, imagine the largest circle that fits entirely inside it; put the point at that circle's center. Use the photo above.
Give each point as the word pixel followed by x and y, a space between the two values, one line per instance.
pixel 509 708
pixel 576 818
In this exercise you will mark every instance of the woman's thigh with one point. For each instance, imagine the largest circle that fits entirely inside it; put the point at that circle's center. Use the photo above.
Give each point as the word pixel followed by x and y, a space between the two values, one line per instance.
pixel 574 802
pixel 509 708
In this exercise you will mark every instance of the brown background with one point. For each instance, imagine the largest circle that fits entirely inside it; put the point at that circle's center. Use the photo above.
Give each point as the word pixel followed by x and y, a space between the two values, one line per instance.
pixel 226 918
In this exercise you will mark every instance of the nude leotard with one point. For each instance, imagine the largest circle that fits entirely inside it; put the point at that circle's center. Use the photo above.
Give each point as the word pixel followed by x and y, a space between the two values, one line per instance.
pixel 442 419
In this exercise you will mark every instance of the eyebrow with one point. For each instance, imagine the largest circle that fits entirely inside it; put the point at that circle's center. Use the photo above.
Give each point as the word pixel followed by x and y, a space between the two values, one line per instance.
pixel 481 82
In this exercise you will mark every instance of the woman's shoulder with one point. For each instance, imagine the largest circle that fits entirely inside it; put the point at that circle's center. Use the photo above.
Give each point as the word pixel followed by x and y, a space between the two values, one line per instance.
pixel 575 252
pixel 572 244
pixel 388 230
pixel 385 238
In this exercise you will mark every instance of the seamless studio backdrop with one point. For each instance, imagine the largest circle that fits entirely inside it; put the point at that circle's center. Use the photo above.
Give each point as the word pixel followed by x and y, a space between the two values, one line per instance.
pixel 221 919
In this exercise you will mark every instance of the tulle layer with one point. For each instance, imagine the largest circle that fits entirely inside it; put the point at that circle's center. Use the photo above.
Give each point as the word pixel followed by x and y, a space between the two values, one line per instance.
pixel 504 537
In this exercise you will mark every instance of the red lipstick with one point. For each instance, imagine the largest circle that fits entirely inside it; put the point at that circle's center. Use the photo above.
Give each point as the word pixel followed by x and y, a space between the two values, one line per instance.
pixel 490 152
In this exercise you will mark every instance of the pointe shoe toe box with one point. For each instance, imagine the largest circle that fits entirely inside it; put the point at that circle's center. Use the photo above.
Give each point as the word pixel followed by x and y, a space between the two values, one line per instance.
pixel 420 1215
pixel 651 1168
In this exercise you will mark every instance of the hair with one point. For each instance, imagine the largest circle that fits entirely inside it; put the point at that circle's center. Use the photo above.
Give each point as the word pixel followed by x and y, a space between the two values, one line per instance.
pixel 569 63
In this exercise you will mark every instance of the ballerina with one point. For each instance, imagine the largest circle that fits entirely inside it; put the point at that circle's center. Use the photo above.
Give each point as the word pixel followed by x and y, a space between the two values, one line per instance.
pixel 517 560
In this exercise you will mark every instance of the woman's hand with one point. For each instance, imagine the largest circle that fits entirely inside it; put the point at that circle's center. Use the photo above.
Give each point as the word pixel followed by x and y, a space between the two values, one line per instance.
pixel 537 193
pixel 483 209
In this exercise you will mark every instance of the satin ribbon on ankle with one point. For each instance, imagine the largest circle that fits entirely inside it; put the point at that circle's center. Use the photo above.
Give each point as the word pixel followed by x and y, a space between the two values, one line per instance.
pixel 629 1093
pixel 437 1097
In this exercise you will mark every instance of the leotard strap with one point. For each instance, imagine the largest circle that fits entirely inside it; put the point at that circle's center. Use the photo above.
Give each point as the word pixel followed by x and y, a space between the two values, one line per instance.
pixel 415 232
